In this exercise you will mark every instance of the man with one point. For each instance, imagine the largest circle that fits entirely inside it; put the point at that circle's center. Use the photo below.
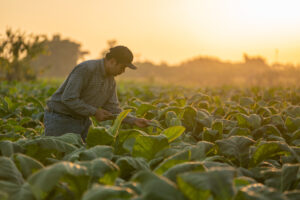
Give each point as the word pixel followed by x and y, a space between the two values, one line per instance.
pixel 89 90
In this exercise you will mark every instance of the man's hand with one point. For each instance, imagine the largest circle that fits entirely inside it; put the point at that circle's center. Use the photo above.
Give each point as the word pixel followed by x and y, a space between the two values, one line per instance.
pixel 102 115
pixel 141 122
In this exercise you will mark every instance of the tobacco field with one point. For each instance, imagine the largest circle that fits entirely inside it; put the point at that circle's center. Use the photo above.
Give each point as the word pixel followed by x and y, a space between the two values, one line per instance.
pixel 204 143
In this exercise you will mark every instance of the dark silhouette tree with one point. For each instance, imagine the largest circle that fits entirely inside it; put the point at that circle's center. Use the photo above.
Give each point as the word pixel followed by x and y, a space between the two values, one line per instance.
pixel 62 57
pixel 17 50
pixel 110 43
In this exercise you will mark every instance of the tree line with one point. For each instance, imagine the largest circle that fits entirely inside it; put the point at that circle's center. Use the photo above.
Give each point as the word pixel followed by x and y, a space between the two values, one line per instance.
pixel 28 57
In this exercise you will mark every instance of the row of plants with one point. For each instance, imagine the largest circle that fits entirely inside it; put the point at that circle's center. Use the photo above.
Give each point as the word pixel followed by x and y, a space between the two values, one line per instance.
pixel 213 143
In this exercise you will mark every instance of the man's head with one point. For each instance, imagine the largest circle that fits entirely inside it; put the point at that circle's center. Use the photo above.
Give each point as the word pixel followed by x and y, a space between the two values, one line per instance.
pixel 117 59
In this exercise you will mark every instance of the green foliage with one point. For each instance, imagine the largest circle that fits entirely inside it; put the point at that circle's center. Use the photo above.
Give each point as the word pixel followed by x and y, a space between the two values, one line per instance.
pixel 236 148
pixel 99 136
pixel 115 127
pixel 129 166
pixel 148 146
pixel 217 182
pixel 268 150
pixel 225 143
pixel 98 151
pixel 108 192
pixel 26 164
pixel 258 191
pixel 45 180
pixel 155 187
pixel 173 132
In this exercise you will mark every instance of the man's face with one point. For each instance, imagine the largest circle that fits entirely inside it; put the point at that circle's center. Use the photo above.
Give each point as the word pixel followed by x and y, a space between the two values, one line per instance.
pixel 116 68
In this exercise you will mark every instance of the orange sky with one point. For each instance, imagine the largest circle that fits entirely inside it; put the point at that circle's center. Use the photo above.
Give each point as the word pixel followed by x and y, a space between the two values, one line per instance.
pixel 166 30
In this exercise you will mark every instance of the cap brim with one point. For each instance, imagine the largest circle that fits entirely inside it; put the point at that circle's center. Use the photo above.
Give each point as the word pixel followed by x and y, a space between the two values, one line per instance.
pixel 131 66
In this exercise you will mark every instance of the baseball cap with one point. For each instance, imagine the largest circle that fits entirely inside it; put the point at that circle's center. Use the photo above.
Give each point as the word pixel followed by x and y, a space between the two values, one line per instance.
pixel 123 55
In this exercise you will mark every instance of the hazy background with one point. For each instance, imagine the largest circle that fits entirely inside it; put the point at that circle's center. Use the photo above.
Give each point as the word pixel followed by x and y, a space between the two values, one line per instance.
pixel 242 41
pixel 168 30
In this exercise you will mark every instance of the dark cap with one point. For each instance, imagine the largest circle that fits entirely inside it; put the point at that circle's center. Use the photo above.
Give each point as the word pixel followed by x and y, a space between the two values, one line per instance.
pixel 122 55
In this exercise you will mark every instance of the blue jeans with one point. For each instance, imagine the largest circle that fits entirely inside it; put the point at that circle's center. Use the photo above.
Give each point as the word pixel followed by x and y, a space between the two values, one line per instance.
pixel 58 124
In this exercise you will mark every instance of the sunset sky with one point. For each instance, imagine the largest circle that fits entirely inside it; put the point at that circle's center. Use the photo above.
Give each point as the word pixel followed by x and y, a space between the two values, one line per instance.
pixel 166 30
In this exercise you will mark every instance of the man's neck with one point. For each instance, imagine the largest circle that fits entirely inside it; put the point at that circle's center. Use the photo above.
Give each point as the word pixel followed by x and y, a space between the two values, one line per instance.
pixel 105 66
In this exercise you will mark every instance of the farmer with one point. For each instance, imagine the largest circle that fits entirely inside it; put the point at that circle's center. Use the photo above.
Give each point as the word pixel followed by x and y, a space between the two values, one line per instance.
pixel 89 90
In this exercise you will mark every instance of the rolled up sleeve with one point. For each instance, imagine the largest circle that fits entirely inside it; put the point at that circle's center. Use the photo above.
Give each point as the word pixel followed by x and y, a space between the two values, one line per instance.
pixel 71 94
pixel 113 106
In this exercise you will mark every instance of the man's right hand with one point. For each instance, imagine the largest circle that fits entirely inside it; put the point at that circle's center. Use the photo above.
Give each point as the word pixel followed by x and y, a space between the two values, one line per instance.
pixel 102 115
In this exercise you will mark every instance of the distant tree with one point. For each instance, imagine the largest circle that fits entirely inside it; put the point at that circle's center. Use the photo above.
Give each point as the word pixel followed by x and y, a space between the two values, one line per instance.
pixel 258 60
pixel 110 43
pixel 17 50
pixel 62 57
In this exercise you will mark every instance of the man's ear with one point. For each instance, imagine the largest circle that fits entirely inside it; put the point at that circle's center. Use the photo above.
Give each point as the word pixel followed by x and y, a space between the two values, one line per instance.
pixel 113 61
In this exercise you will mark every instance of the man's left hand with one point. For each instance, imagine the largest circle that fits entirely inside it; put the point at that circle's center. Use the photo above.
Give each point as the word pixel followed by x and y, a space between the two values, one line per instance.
pixel 141 122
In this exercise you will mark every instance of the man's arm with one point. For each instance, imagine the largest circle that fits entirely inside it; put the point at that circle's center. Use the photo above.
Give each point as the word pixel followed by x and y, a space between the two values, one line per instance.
pixel 71 94
pixel 113 106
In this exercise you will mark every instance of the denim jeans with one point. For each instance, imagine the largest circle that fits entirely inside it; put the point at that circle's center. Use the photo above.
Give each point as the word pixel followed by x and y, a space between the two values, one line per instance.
pixel 58 124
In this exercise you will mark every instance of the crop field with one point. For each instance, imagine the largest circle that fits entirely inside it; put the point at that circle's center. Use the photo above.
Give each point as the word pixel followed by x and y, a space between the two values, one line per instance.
pixel 204 143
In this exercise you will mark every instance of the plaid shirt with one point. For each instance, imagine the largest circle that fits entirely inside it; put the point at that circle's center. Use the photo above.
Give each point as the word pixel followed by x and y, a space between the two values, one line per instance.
pixel 87 88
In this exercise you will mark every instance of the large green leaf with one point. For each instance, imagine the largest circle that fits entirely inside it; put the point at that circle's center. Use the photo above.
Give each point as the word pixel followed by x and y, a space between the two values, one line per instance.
pixel 293 111
pixel 173 132
pixel 129 166
pixel 126 139
pixel 108 193
pixel 162 112
pixel 71 138
pixel 115 127
pixel 99 136
pixel 292 124
pixel 144 108
pixel 177 158
pixel 268 150
pixel 217 182
pixel 3 195
pixel 148 146
pixel 210 135
pixel 266 130
pixel 272 177
pixel 15 191
pixel 289 179
pixel 252 121
pixel 172 119
pixel 236 147
pixel 11 136
pixel 45 180
pixel 172 172
pixel 258 191
pixel 201 150
pixel 243 181
pixel 101 170
pixel 292 195
pixel 295 135
pixel 218 126
pixel 99 151
pixel 9 172
pixel 192 153
pixel 27 165
pixel 8 148
pixel 203 119
pixel 156 187
pixel 189 117
pixel 246 101
pixel 47 147
pixel 239 131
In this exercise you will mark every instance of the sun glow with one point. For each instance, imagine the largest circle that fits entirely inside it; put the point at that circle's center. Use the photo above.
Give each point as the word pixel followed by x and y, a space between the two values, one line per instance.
pixel 169 30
